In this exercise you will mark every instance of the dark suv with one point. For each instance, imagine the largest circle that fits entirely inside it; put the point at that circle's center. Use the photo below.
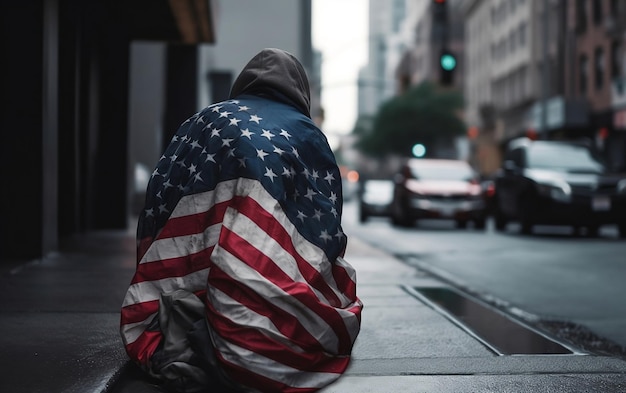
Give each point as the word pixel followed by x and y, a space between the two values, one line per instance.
pixel 558 183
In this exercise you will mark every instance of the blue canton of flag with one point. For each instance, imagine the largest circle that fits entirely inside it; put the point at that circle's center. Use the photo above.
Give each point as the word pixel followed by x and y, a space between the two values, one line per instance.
pixel 230 140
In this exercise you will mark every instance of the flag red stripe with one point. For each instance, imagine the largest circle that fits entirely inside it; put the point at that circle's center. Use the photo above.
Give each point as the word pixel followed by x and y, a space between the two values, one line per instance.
pixel 269 225
pixel 251 256
pixel 173 267
pixel 290 326
pixel 193 223
pixel 143 348
pixel 259 382
pixel 138 312
pixel 344 281
pixel 255 341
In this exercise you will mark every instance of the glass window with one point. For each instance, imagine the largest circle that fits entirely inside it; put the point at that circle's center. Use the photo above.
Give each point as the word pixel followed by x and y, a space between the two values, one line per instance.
pixel 615 59
pixel 581 16
pixel 441 171
pixel 597 12
pixel 583 64
pixel 599 68
pixel 571 158
pixel 522 34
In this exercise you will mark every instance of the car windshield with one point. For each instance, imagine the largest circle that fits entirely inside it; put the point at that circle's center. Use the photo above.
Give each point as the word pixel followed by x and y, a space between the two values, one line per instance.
pixel 570 158
pixel 442 172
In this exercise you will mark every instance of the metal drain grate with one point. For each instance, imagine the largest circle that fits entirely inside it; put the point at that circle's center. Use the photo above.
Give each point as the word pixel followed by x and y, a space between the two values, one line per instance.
pixel 494 329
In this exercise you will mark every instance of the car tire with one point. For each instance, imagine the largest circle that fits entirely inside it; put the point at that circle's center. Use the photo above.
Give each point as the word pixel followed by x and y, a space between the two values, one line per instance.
pixel 592 231
pixel 461 224
pixel 621 227
pixel 399 217
pixel 480 223
pixel 499 219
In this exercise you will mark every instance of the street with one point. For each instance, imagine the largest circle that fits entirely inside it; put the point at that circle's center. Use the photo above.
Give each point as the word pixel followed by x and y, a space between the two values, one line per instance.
pixel 570 284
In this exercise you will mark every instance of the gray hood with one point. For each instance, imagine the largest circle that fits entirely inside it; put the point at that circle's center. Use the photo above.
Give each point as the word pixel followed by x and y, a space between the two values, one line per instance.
pixel 278 75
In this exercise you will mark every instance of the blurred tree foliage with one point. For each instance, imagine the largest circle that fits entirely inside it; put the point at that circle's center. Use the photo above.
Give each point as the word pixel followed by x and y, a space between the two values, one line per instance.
pixel 424 114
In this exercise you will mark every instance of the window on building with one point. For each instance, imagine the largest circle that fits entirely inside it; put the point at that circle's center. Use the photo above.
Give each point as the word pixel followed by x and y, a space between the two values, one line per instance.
pixel 522 34
pixel 583 65
pixel 597 11
pixel 599 68
pixel 581 16
pixel 616 61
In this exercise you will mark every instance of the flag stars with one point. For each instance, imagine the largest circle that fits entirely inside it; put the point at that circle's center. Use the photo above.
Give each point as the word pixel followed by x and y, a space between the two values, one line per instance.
pixel 255 118
pixel 209 157
pixel 195 144
pixel 285 134
pixel 197 177
pixel 278 150
pixel 163 208
pixel 261 154
pixel 270 173
pixel 215 132
pixel 301 216
pixel 339 234
pixel 173 157
pixel 150 212
pixel 216 109
pixel 156 173
pixel 200 120
pixel 333 197
pixel 226 142
pixel 234 122
pixel 231 152
pixel 329 177
pixel 294 151
pixel 247 133
pixel 325 236
pixel 243 108
pixel 267 134
pixel 242 162
pixel 192 168
pixel 225 114
pixel 333 211
pixel 315 175
pixel 287 172
pixel 310 194
pixel 167 184
pixel 318 214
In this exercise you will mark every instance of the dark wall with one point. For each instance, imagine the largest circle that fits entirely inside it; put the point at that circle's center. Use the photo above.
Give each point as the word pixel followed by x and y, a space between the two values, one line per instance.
pixel 21 129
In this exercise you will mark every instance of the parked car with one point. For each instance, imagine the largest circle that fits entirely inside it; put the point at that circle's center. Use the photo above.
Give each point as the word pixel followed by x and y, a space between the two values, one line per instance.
pixel 375 198
pixel 438 189
pixel 558 183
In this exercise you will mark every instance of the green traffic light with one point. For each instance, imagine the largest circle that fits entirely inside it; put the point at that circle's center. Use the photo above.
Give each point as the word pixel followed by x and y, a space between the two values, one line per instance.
pixel 448 62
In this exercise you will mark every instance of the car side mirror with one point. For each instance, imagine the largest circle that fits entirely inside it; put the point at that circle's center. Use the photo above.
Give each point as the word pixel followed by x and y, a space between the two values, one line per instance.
pixel 510 166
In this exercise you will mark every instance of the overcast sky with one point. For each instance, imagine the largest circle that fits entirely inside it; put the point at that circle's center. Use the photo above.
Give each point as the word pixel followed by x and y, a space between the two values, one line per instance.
pixel 340 33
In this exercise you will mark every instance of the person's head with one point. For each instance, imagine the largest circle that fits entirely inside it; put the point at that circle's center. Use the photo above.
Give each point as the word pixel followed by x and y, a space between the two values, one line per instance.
pixel 276 74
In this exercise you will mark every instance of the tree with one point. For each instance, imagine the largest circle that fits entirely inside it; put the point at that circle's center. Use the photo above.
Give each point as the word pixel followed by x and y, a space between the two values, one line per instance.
pixel 424 114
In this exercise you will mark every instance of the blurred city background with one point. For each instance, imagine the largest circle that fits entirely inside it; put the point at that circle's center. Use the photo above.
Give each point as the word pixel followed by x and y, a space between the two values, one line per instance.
pixel 93 90
pixel 481 142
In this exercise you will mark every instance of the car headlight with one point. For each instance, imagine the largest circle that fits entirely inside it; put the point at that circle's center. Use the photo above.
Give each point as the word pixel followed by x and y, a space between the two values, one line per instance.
pixel 558 190
pixel 621 186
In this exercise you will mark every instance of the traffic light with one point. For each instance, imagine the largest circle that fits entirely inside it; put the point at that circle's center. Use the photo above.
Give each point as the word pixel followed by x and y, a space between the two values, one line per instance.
pixel 447 65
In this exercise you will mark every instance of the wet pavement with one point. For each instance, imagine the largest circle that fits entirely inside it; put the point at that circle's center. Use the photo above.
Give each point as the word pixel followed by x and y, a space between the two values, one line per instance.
pixel 59 332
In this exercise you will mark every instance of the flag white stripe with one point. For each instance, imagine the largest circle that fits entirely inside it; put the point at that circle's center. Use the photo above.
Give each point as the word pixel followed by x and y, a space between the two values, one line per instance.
pixel 247 276
pixel 146 291
pixel 242 315
pixel 132 331
pixel 180 246
pixel 271 369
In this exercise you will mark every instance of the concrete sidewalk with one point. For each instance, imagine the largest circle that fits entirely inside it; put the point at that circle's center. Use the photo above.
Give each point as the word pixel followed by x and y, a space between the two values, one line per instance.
pixel 59 332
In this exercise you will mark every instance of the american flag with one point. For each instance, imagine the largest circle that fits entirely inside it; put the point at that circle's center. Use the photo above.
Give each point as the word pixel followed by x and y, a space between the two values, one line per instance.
pixel 244 210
